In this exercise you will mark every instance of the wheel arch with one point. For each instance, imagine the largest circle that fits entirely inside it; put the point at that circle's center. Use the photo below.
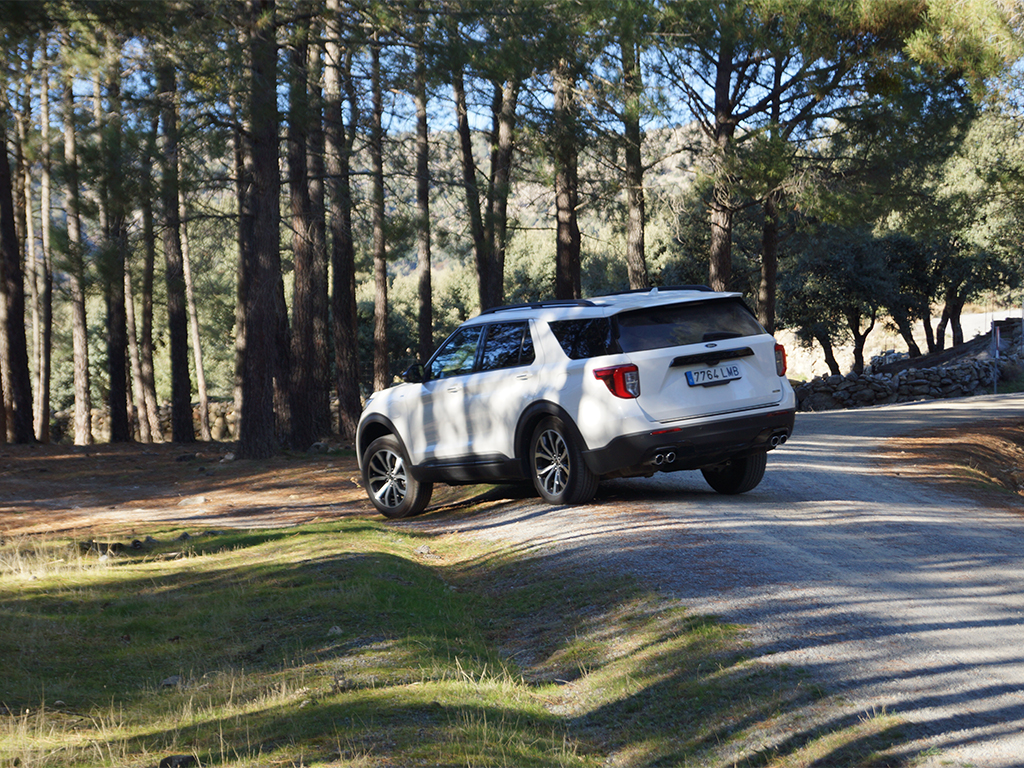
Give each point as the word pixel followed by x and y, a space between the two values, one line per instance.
pixel 529 420
pixel 370 429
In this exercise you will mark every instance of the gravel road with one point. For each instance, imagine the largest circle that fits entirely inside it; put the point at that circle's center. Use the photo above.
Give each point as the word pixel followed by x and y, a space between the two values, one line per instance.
pixel 893 593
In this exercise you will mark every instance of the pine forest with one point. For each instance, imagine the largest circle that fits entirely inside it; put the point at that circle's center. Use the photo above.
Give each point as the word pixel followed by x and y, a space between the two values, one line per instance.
pixel 270 208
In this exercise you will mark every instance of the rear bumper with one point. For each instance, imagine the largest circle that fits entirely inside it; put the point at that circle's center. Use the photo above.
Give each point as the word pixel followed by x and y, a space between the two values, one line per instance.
pixel 691 447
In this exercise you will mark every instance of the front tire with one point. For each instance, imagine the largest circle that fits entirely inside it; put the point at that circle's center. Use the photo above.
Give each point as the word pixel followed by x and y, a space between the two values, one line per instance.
pixel 389 484
pixel 556 465
pixel 737 475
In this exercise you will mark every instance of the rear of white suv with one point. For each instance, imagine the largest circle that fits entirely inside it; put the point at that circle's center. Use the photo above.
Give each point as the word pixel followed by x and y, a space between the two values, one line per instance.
pixel 567 393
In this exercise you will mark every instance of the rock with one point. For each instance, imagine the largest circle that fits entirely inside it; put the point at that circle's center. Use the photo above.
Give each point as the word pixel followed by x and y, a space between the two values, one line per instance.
pixel 178 761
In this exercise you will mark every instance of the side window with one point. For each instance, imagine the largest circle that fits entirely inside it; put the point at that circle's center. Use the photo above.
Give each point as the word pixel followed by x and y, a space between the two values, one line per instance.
pixel 507 345
pixel 457 355
pixel 585 338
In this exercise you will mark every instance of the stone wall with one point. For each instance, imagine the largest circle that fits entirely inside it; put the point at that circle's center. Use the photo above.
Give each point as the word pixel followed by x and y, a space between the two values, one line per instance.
pixel 969 369
pixel 854 390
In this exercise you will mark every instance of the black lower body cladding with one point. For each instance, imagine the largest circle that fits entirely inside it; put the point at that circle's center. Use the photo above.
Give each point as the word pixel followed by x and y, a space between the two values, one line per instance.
pixel 677 448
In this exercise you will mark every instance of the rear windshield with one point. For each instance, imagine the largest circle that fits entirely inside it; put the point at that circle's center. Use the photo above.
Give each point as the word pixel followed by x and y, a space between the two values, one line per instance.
pixel 680 324
pixel 673 325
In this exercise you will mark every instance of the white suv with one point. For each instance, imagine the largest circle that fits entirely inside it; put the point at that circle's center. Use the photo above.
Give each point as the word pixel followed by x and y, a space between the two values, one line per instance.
pixel 565 393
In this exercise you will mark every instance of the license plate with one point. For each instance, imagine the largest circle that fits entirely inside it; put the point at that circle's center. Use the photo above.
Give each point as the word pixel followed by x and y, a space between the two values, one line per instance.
pixel 706 377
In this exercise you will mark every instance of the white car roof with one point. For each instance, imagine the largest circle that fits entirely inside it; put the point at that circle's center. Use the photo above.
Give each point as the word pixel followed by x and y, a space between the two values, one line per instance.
pixel 599 306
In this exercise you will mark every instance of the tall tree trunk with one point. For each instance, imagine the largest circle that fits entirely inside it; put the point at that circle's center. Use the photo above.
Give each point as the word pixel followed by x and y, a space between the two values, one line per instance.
pixel 193 318
pixel 182 427
pixel 720 262
pixel 303 341
pixel 262 262
pixel 636 262
pixel 481 246
pixel 44 272
pixel 15 361
pixel 135 358
pixel 32 258
pixel 568 245
pixel 769 262
pixel 76 274
pixel 149 404
pixel 117 253
pixel 381 367
pixel 320 398
pixel 242 150
pixel 425 315
pixel 22 116
pixel 501 185
pixel 338 143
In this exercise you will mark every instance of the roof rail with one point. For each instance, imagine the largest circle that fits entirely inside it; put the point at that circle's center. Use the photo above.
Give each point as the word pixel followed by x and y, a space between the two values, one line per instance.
pixel 541 305
pixel 661 288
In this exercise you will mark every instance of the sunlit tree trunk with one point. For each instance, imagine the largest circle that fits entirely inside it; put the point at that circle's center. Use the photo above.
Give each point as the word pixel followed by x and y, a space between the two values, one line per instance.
pixel 481 246
pixel 44 272
pixel 501 184
pixel 242 160
pixel 320 398
pixel 182 428
pixel 32 258
pixel 145 435
pixel 381 366
pixel 566 153
pixel 149 404
pixel 636 262
pixel 425 315
pixel 117 254
pixel 76 273
pixel 720 261
pixel 193 317
pixel 338 144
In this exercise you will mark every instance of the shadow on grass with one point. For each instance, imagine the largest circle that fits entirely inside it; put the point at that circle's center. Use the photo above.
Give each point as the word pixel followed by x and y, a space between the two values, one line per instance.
pixel 341 643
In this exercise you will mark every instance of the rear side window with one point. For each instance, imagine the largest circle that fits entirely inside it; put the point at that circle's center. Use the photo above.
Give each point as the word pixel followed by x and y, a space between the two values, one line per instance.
pixel 507 345
pixel 585 338
pixel 680 324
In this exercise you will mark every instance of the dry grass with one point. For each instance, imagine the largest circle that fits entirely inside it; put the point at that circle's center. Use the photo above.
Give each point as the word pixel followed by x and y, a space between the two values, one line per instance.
pixel 983 460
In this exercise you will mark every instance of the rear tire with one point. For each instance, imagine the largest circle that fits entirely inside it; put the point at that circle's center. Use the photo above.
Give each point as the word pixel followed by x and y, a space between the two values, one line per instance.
pixel 556 465
pixel 389 484
pixel 737 475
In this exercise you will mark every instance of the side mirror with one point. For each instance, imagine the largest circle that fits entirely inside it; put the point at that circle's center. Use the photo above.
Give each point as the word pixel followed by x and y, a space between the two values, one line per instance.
pixel 414 374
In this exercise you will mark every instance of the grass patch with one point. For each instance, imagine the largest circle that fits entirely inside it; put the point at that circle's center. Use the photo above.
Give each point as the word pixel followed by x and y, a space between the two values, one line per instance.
pixel 354 645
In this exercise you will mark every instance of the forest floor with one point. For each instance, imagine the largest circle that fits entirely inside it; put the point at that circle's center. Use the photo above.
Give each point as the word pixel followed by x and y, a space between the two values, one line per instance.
pixel 77 491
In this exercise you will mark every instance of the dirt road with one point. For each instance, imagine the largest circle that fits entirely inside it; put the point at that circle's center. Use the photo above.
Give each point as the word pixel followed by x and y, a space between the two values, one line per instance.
pixel 899 595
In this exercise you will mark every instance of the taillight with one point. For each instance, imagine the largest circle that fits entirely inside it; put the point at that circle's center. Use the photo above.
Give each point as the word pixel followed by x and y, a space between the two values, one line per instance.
pixel 621 380
pixel 780 360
